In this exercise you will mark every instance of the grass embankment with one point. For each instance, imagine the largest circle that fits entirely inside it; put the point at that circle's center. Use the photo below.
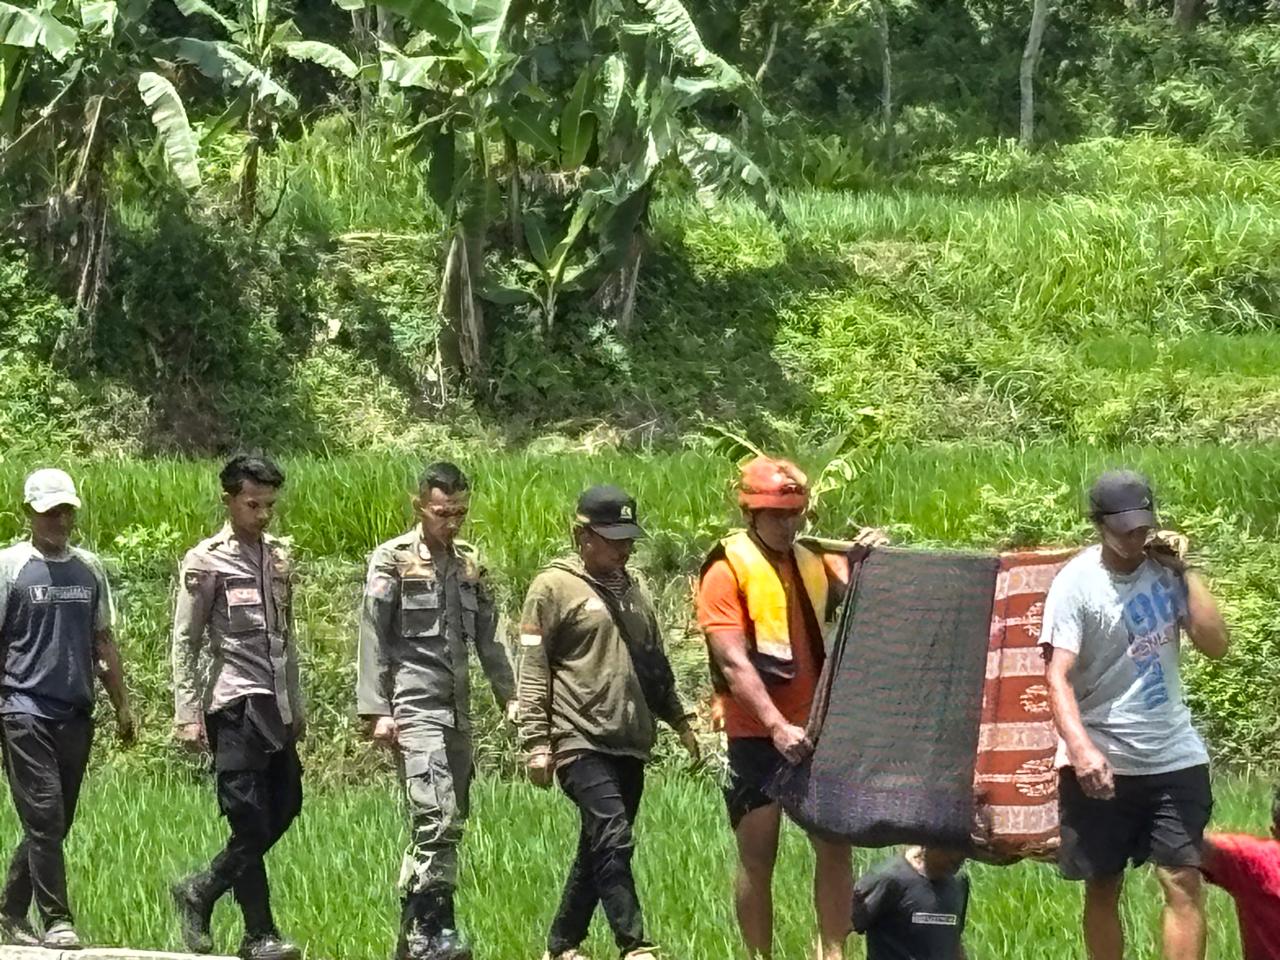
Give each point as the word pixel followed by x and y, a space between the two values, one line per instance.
pixel 143 515
pixel 1108 292
pixel 334 874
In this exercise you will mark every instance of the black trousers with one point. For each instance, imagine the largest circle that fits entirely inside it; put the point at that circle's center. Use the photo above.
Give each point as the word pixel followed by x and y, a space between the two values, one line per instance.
pixel 259 788
pixel 45 762
pixel 606 790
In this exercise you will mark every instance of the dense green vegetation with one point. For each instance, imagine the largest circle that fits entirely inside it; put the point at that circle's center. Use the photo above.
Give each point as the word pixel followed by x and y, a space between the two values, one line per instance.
pixel 904 274
pixel 519 844
pixel 1120 291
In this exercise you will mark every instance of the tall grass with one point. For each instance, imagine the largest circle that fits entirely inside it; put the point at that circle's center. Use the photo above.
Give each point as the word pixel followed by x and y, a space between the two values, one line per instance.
pixel 522 501
pixel 333 875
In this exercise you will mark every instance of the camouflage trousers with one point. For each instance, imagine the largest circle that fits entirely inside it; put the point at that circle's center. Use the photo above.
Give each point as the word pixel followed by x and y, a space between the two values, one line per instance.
pixel 435 772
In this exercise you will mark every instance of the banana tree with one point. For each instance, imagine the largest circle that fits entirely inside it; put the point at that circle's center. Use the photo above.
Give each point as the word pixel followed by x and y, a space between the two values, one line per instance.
pixel 78 78
pixel 450 72
pixel 624 110
pixel 245 63
pixel 574 110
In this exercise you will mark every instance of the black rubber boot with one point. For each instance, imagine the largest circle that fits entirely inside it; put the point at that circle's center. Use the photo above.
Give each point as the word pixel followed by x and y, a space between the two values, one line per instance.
pixel 402 936
pixel 195 909
pixel 269 946
pixel 452 945
pixel 421 929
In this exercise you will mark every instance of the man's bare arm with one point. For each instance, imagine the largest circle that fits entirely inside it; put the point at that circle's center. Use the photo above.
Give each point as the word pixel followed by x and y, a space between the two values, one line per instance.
pixel 1090 765
pixel 111 673
pixel 1205 623
pixel 729 648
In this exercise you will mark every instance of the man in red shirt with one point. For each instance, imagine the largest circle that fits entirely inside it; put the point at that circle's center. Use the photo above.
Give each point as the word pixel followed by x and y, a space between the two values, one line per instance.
pixel 763 603
pixel 1248 868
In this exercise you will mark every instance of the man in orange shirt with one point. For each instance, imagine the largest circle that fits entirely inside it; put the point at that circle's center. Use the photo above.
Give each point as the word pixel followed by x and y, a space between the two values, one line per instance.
pixel 763 603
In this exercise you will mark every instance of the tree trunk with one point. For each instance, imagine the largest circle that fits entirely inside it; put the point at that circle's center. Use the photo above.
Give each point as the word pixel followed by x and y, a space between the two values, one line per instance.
pixel 249 182
pixel 1027 73
pixel 461 342
pixel 881 12
pixel 248 198
pixel 769 51
pixel 386 25
pixel 616 297
pixel 515 207
pixel 83 253
pixel 1185 13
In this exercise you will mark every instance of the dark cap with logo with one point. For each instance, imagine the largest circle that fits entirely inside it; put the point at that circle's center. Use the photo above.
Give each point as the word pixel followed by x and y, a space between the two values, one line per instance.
pixel 610 512
pixel 1122 499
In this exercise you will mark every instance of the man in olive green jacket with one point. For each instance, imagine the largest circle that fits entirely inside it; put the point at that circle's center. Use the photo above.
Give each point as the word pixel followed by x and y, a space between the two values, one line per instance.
pixel 593 680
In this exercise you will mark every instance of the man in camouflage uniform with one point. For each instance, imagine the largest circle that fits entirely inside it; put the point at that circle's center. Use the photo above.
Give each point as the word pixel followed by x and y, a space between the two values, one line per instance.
pixel 234 608
pixel 426 601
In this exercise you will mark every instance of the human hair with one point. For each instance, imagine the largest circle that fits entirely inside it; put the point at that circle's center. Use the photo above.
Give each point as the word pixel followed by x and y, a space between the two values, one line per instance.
pixel 445 477
pixel 245 466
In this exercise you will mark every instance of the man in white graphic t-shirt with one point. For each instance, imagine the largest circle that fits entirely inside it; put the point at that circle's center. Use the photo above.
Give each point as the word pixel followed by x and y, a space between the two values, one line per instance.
pixel 1134 783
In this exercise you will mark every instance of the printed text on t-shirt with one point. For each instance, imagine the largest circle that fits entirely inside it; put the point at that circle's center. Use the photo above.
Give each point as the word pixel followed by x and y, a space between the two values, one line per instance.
pixel 1151 617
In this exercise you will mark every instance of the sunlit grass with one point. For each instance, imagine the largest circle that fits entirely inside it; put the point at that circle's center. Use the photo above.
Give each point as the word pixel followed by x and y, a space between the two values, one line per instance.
pixel 333 875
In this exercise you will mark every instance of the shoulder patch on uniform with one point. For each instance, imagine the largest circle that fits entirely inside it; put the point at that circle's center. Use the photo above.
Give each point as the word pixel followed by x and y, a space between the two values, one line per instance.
pixel 530 639
pixel 193 578
pixel 379 586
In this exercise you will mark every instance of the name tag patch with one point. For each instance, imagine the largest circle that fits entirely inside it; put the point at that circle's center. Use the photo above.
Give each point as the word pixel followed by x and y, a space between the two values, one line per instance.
pixel 243 596
pixel 935 919
pixel 45 593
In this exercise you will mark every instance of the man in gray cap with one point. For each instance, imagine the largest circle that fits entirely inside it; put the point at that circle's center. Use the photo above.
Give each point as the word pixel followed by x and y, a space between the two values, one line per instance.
pixel 55 633
pixel 593 681
pixel 1134 783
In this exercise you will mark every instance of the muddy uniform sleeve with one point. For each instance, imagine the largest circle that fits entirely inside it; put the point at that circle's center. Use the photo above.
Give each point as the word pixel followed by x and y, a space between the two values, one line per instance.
pixel 538 623
pixel 196 588
pixel 671 709
pixel 490 648
pixel 373 663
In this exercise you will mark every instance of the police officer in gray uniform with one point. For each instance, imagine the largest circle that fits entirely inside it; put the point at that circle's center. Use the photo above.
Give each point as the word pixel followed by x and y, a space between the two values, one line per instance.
pixel 426 603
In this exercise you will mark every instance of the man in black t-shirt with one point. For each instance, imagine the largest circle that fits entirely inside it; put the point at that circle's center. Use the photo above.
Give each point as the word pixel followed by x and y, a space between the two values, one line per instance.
pixel 913 906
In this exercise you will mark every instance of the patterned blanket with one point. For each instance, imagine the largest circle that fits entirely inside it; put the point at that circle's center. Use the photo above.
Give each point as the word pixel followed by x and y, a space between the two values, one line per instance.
pixel 916 741
pixel 896 724
pixel 1015 784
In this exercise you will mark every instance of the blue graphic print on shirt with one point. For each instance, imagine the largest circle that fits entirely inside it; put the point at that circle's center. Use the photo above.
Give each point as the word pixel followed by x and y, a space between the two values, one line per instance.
pixel 1151 617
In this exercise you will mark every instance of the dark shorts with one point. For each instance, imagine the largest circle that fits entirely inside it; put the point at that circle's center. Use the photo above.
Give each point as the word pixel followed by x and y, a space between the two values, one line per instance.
pixel 1159 818
pixel 753 763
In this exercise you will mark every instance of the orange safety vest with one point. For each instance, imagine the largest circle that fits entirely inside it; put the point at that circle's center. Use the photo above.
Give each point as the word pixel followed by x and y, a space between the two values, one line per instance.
pixel 766 599
pixel 769 630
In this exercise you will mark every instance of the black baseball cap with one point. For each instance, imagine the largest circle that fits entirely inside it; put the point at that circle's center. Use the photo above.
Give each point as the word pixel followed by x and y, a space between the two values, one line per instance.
pixel 610 512
pixel 1122 499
